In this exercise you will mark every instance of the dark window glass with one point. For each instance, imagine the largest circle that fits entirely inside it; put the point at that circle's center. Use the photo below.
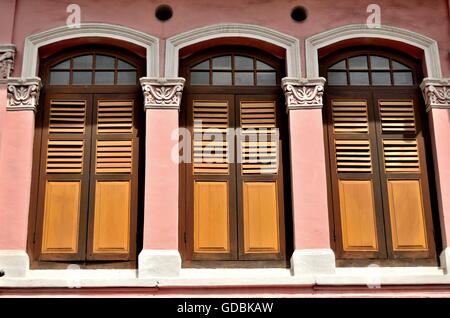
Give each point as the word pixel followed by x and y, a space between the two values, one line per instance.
pixel 243 63
pixel 202 66
pixel 127 78
pixel 82 62
pixel 122 65
pixel 104 78
pixel 381 78
pixel 104 62
pixel 59 78
pixel 221 63
pixel 266 78
pixel 379 63
pixel 62 66
pixel 357 62
pixel 399 66
pixel 82 78
pixel 337 78
pixel 199 78
pixel 221 78
pixel 261 66
pixel 243 78
pixel 338 66
pixel 403 78
pixel 359 78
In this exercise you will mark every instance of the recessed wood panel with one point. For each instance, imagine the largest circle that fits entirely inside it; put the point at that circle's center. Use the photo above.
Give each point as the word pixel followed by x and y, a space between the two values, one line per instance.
pixel 112 217
pixel 261 219
pixel 358 220
pixel 211 217
pixel 407 215
pixel 61 217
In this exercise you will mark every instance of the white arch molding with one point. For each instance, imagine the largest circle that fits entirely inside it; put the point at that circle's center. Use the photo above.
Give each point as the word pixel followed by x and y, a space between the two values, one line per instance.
pixel 177 42
pixel 318 41
pixel 34 42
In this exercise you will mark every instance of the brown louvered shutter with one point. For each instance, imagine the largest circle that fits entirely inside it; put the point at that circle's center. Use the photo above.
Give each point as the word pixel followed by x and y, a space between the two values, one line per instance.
pixel 113 178
pixel 404 176
pixel 353 175
pixel 64 173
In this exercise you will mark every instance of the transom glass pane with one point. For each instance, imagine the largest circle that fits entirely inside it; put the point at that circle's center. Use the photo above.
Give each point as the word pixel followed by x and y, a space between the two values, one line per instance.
pixel 104 62
pixel 379 63
pixel 337 78
pixel 126 77
pixel 403 78
pixel 357 62
pixel 82 62
pixel 359 78
pixel 266 78
pixel 221 63
pixel 122 65
pixel 381 78
pixel 62 66
pixel 263 66
pixel 243 78
pixel 200 78
pixel 399 66
pixel 338 66
pixel 82 78
pixel 243 63
pixel 104 78
pixel 202 66
pixel 59 78
pixel 221 78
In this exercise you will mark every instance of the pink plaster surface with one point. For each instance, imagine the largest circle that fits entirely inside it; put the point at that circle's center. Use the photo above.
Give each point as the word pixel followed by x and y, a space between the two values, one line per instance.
pixel 309 188
pixel 7 11
pixel 15 178
pixel 430 18
pixel 161 181
pixel 440 132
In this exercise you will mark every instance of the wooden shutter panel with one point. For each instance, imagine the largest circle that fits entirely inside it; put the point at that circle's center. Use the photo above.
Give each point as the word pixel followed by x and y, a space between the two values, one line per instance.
pixel 353 176
pixel 259 140
pixel 210 144
pixel 65 189
pixel 406 183
pixel 114 156
pixel 115 117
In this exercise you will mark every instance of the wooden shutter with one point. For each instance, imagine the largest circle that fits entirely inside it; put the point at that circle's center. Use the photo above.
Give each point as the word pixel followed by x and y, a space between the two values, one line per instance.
pixel 353 176
pixel 64 172
pixel 260 180
pixel 211 211
pixel 404 176
pixel 114 179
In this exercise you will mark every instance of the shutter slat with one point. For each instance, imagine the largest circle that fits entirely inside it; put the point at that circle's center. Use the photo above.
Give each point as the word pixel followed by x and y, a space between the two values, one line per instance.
pixel 64 119
pixel 65 156
pixel 350 116
pixel 397 116
pixel 353 156
pixel 114 156
pixel 115 117
pixel 405 160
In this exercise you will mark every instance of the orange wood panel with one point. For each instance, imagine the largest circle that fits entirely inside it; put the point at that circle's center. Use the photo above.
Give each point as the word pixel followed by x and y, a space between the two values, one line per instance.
pixel 407 215
pixel 112 217
pixel 261 234
pixel 61 217
pixel 358 219
pixel 211 217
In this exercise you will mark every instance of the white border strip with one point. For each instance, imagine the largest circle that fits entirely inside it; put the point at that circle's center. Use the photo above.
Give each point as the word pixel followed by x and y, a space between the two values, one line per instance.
pixel 34 42
pixel 428 45
pixel 177 42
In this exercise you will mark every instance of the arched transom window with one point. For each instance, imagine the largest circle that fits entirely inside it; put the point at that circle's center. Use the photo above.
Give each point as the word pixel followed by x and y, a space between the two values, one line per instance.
pixel 233 70
pixel 93 69
pixel 369 70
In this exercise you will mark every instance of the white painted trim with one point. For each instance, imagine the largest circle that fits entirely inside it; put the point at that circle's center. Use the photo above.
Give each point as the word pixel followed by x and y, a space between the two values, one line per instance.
pixel 313 261
pixel 159 263
pixel 428 45
pixel 236 277
pixel 177 42
pixel 14 263
pixel 34 42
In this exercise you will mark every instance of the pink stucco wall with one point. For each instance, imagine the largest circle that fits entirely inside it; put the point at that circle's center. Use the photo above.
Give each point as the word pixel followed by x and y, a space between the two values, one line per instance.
pixel 430 18
pixel 161 181
pixel 440 131
pixel 15 169
pixel 309 188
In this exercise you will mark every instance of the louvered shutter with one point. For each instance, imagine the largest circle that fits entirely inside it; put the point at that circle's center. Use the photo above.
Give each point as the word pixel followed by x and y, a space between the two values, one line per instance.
pixel 64 169
pixel 404 175
pixel 353 174
pixel 114 179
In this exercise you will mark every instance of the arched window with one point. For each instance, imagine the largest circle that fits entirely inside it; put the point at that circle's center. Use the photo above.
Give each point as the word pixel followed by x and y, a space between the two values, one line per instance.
pixel 87 159
pixel 378 164
pixel 233 211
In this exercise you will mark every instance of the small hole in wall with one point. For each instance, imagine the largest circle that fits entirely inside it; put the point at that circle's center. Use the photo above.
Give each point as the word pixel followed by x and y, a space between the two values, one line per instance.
pixel 163 12
pixel 299 14
pixel 2 273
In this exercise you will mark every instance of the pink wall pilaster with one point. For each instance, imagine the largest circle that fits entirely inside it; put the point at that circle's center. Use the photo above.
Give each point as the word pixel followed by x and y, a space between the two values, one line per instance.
pixel 16 155
pixel 160 254
pixel 437 98
pixel 309 183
